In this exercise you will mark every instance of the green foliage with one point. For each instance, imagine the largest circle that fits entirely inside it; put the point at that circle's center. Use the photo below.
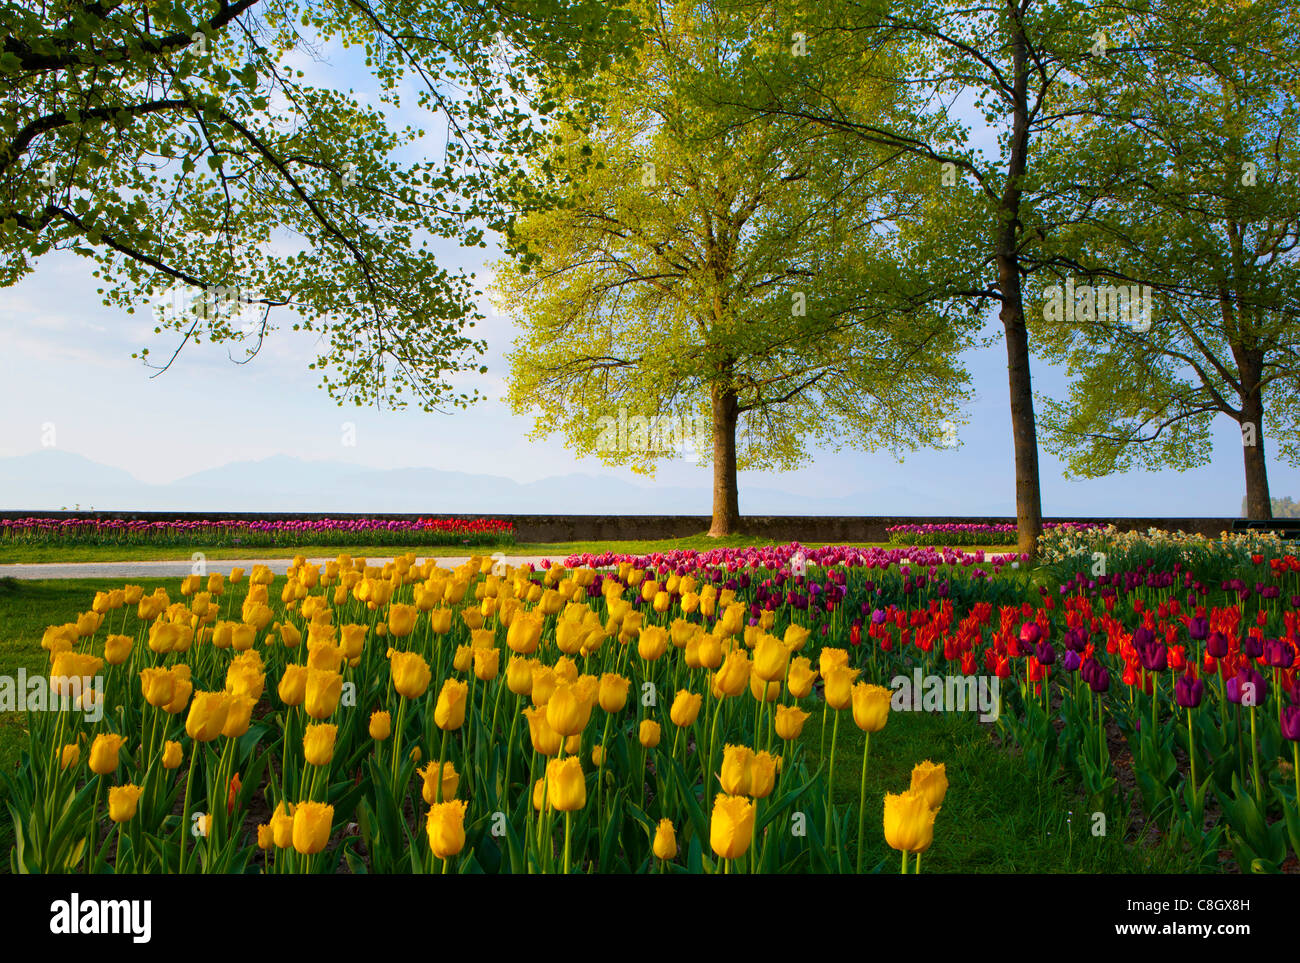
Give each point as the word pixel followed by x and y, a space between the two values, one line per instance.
pixel 705 258
pixel 176 146
pixel 1189 128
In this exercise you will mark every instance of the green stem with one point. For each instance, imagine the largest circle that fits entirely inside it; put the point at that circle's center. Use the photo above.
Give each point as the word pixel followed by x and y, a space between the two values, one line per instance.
pixel 862 799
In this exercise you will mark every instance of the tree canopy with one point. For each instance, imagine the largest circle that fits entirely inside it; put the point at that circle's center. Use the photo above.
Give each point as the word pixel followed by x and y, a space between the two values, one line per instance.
pixel 726 275
pixel 177 146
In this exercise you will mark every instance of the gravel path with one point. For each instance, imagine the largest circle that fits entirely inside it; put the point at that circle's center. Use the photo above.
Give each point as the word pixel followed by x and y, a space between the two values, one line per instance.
pixel 180 568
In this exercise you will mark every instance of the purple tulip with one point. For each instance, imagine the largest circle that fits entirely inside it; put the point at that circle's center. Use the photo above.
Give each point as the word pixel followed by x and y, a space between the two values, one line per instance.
pixel 1187 691
pixel 1153 655
pixel 1071 660
pixel 1100 678
pixel 1197 628
pixel 1247 687
pixel 1044 652
pixel 1291 723
pixel 1217 644
pixel 1278 653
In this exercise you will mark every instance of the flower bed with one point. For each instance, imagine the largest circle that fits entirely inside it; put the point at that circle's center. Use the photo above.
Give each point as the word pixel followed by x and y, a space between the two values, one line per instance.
pixel 955 533
pixel 228 533
pixel 414 718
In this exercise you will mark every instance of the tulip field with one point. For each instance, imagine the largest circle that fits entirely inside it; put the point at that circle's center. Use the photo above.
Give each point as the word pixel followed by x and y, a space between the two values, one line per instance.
pixel 64 533
pixel 678 713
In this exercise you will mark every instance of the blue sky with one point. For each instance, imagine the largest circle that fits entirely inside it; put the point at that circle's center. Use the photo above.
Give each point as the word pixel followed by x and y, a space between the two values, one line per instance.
pixel 67 363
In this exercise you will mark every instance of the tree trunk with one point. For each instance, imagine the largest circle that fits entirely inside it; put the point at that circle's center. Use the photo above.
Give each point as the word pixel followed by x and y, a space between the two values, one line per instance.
pixel 726 494
pixel 1029 510
pixel 1258 502
pixel 1024 431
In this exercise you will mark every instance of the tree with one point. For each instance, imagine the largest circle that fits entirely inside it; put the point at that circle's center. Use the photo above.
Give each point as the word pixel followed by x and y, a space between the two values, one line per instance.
pixel 895 75
pixel 169 144
pixel 722 285
pixel 1204 219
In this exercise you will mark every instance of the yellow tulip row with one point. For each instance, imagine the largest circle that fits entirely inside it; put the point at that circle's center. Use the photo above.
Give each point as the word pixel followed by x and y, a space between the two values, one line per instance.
pixel 546 625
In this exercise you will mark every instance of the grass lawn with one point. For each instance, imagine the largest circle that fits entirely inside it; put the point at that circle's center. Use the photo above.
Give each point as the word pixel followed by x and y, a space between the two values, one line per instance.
pixel 1000 814
pixel 35 554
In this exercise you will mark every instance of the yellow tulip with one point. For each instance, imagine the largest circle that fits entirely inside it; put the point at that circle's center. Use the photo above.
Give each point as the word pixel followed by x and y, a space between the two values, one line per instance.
pixel 323 692
pixel 318 744
pixel 117 649
pixel 909 822
pixel 789 722
pixel 525 633
pixel 180 694
pixel 763 774
pixel 163 637
pixel 771 657
pixel 401 619
pixel 566 786
pixel 519 675
pixel 839 686
pixel 546 740
pixel 801 677
pixel 446 828
pixel 450 782
pixel 239 714
pixel 931 781
pixel 290 635
pixel 544 682
pixel 449 713
pixel 122 802
pixel 293 685
pixel 871 706
pixel 312 822
pixel 831 658
pixel 737 773
pixel 324 655
pixel 242 636
pixel 487 663
pixel 795 637
pixel 244 677
pixel 282 825
pixel 613 692
pixel 567 712
pixel 685 708
pixel 70 756
pixel 354 640
pixel 104 752
pixel 381 726
pixel 207 715
pixel 665 845
pixel 649 733
pixel 172 755
pixel 652 643
pixel 440 621
pixel 411 675
pixel 733 677
pixel 731 828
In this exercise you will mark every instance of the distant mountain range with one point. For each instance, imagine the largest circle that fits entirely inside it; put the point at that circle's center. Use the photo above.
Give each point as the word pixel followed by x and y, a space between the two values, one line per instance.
pixel 50 480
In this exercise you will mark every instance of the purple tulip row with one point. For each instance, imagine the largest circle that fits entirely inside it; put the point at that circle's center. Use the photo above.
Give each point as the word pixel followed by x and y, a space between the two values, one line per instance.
pixel 777 557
